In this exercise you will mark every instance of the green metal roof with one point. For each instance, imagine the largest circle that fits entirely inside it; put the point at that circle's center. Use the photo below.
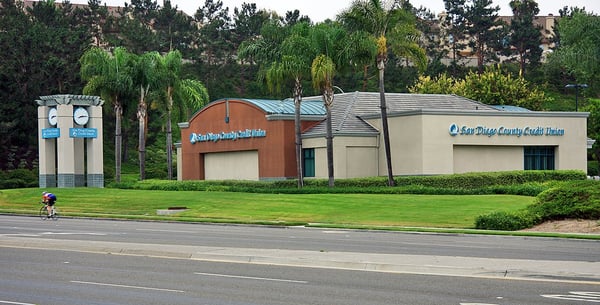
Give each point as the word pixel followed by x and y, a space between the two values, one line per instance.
pixel 312 107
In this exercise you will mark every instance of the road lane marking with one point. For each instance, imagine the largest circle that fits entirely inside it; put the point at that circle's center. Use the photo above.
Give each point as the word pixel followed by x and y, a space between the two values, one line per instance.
pixel 14 303
pixel 74 233
pixel 167 231
pixel 582 296
pixel 251 278
pixel 126 286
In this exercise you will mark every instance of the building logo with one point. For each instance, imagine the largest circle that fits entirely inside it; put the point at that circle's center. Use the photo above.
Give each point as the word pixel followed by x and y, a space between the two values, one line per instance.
pixel 231 135
pixel 453 130
pixel 482 130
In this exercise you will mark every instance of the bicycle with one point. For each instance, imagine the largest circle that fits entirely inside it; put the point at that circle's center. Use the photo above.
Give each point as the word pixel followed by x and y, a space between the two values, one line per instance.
pixel 44 212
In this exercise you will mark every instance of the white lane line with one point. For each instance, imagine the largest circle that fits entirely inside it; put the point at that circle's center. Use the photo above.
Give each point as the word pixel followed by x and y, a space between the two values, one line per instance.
pixel 582 296
pixel 126 286
pixel 251 278
pixel 14 303
pixel 167 231
pixel 74 233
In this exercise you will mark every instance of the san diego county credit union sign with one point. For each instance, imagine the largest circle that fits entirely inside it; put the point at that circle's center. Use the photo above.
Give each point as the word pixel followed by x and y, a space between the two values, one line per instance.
pixel 481 130
pixel 231 135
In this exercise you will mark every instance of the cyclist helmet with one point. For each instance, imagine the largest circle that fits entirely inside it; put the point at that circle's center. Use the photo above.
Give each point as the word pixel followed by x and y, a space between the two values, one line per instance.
pixel 44 193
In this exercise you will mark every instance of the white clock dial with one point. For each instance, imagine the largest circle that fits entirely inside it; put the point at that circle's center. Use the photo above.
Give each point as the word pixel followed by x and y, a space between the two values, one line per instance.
pixel 81 116
pixel 52 116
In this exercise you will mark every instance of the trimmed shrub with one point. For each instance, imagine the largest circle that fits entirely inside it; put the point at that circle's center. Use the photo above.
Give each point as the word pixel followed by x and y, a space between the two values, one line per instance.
pixel 570 199
pixel 525 183
pixel 479 180
pixel 507 221
pixel 19 178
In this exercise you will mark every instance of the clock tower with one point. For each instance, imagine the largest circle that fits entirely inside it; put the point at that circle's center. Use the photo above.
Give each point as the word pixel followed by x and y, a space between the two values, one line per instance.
pixel 70 141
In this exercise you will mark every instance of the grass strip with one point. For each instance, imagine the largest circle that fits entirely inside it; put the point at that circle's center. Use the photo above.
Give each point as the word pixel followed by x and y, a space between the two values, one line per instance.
pixel 374 210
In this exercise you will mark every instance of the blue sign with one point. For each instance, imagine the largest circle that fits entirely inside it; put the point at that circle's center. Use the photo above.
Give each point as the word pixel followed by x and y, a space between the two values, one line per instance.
pixel 232 135
pixel 83 132
pixel 481 130
pixel 50 133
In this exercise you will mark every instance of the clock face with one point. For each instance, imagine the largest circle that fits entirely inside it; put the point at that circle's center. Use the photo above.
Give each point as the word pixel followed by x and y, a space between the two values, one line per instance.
pixel 81 116
pixel 52 116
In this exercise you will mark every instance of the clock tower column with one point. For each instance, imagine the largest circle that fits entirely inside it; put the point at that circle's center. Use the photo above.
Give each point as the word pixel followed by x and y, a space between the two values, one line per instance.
pixel 95 155
pixel 70 141
pixel 65 156
pixel 47 149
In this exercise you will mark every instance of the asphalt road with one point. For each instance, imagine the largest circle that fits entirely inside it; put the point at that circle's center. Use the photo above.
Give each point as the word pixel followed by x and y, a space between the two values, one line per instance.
pixel 81 261
pixel 300 238
pixel 64 277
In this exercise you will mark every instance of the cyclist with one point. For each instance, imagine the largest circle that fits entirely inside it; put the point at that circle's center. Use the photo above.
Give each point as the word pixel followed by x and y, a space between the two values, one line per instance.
pixel 49 199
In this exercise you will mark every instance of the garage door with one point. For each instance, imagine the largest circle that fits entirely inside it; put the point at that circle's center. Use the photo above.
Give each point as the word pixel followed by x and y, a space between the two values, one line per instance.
pixel 239 165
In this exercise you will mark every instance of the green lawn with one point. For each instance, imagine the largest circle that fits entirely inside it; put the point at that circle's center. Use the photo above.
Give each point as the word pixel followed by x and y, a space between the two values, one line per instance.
pixel 332 209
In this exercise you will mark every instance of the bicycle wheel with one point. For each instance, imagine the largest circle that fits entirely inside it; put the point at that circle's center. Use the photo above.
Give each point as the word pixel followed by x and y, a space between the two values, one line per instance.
pixel 43 213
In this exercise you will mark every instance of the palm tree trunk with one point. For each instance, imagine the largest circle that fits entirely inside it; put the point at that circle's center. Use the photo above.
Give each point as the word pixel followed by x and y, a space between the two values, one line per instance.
pixel 169 146
pixel 141 115
pixel 118 139
pixel 329 149
pixel 169 133
pixel 328 99
pixel 297 102
pixel 384 122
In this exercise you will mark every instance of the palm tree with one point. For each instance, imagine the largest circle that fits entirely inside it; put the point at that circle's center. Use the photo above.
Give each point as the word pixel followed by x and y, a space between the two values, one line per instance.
pixel 145 77
pixel 294 65
pixel 322 71
pixel 109 76
pixel 283 59
pixel 333 52
pixel 399 25
pixel 183 94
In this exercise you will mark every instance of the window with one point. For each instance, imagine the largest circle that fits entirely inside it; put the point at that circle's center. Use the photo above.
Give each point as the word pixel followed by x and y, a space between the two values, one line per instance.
pixel 309 162
pixel 539 158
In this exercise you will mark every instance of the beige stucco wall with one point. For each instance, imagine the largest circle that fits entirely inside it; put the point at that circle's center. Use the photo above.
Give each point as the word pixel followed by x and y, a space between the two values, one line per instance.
pixel 421 142
pixel 406 145
pixel 352 156
pixel 472 158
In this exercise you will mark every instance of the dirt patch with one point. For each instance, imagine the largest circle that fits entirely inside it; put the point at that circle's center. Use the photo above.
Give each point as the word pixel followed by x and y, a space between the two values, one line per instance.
pixel 568 226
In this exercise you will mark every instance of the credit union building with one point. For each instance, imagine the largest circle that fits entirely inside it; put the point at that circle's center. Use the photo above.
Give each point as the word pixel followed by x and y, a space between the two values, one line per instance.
pixel 430 134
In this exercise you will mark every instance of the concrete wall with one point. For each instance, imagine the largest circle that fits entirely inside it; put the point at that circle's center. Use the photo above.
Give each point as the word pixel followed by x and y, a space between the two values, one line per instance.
pixel 421 142
pixel 352 156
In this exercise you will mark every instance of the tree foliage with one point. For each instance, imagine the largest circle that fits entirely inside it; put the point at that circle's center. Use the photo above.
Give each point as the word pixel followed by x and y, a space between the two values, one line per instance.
pixel 392 28
pixel 493 87
pixel 41 46
pixel 484 30
pixel 455 26
pixel 525 37
pixel 579 48
pixel 593 128
pixel 110 77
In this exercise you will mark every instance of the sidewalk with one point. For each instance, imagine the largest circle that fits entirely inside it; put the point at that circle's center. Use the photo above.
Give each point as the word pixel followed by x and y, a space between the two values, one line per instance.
pixel 537 270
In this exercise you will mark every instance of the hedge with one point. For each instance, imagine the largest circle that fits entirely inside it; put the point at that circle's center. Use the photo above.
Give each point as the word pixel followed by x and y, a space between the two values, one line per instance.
pixel 527 183
pixel 562 200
